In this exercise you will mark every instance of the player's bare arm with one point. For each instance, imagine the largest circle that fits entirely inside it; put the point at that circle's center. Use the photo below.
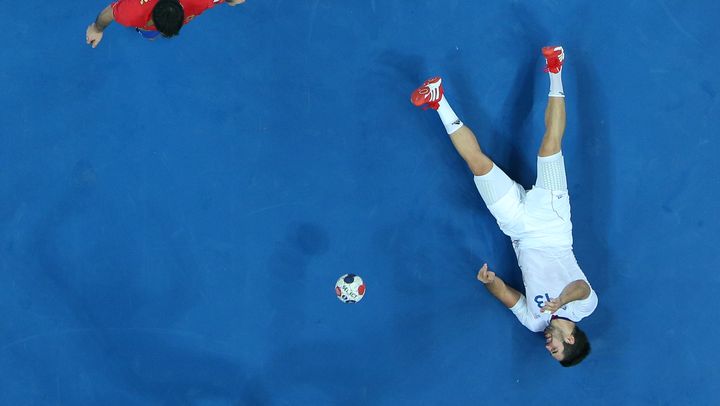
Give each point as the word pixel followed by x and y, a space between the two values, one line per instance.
pixel 504 293
pixel 94 32
pixel 576 290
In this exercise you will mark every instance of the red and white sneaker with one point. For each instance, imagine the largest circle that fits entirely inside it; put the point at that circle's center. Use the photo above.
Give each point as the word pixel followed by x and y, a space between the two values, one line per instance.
pixel 554 57
pixel 430 93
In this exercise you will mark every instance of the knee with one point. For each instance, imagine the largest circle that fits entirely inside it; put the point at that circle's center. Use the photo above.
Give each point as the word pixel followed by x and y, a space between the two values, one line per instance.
pixel 480 167
pixel 551 145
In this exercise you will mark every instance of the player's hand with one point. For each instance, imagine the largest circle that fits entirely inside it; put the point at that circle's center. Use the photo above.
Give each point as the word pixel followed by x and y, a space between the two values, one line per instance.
pixel 485 275
pixel 93 36
pixel 552 306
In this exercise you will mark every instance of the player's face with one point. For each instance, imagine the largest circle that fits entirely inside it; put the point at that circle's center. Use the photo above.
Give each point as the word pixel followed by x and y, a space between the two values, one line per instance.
pixel 554 342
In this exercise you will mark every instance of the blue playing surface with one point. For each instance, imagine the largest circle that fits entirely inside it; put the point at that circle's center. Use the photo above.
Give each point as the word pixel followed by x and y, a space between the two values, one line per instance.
pixel 175 213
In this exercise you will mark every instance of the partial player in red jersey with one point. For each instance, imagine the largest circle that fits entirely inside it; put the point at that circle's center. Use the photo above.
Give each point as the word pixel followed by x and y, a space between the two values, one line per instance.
pixel 151 18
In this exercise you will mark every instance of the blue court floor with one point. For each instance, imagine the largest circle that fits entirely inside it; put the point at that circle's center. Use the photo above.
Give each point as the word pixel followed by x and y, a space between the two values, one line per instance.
pixel 174 214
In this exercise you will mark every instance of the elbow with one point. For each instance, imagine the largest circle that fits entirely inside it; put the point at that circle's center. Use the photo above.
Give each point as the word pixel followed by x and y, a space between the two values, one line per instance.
pixel 585 289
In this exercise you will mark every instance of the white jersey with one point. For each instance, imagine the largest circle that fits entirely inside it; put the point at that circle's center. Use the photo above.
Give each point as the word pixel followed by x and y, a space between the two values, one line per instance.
pixel 539 225
pixel 546 272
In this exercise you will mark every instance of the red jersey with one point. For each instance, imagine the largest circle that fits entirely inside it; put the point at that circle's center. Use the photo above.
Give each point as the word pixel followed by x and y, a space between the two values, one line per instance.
pixel 138 13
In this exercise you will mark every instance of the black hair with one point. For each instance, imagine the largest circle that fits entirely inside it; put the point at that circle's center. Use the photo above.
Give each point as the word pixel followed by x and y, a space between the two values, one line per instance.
pixel 574 353
pixel 168 17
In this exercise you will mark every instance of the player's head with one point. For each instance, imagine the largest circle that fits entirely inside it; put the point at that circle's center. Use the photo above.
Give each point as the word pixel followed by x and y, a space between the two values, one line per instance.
pixel 569 349
pixel 168 17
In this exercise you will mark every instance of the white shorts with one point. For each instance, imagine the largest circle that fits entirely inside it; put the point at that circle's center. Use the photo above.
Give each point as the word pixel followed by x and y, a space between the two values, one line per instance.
pixel 536 218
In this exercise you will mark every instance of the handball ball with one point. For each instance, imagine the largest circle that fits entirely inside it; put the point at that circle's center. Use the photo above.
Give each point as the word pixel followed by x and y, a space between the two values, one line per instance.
pixel 350 288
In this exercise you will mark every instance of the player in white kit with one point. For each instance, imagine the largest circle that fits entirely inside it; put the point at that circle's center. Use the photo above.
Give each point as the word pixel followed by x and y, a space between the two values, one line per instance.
pixel 557 293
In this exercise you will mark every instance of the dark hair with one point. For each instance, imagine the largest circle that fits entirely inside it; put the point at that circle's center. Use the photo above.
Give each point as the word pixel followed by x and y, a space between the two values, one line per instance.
pixel 168 17
pixel 574 353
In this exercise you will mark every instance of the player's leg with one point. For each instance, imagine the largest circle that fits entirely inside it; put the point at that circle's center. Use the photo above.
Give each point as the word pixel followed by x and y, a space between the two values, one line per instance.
pixel 431 95
pixel 492 183
pixel 550 165
pixel 467 146
pixel 554 126
pixel 555 111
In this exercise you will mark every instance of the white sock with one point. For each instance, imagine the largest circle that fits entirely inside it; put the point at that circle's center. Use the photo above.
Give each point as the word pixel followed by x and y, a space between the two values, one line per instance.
pixel 556 87
pixel 449 119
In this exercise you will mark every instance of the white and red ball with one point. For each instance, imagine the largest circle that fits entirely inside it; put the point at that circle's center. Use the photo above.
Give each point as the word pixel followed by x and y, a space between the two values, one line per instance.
pixel 350 288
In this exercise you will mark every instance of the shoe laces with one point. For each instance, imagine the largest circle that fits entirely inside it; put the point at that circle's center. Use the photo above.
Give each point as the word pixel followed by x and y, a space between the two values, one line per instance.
pixel 553 63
